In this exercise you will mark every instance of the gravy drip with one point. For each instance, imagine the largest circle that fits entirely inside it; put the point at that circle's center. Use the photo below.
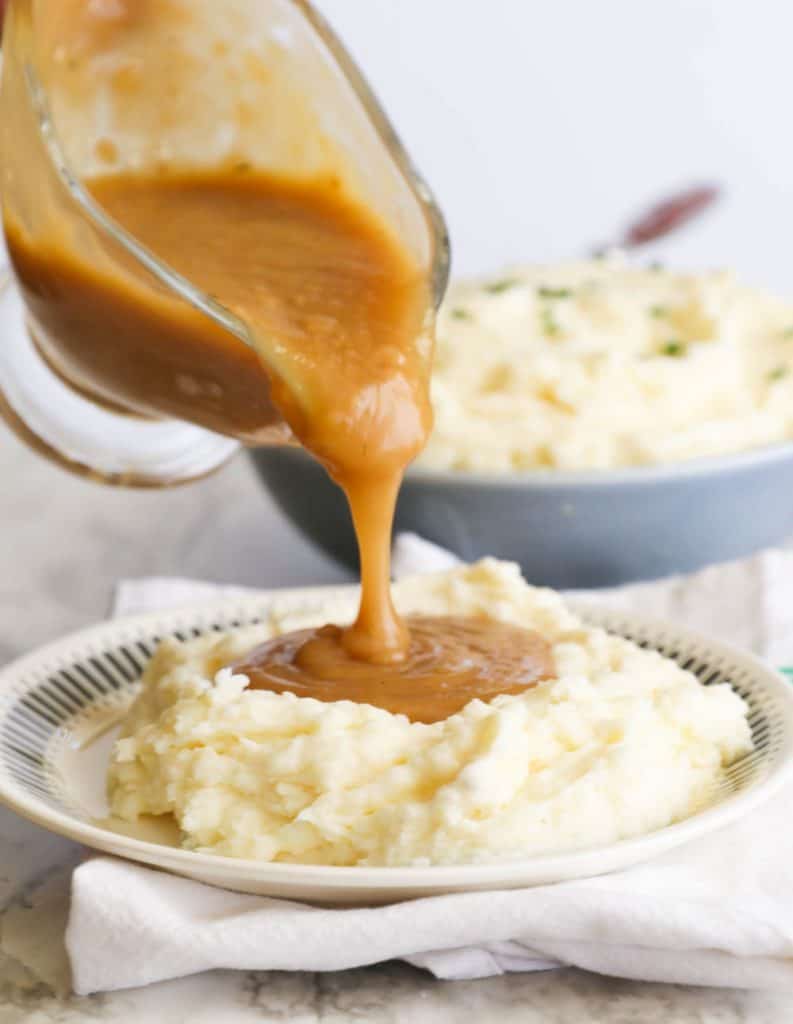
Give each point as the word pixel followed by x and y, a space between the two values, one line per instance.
pixel 339 306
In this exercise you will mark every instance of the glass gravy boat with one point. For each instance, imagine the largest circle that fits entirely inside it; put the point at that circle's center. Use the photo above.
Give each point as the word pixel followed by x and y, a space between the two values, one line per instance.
pixel 98 87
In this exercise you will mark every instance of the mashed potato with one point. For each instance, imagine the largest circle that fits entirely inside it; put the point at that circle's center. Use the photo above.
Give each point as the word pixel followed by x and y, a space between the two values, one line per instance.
pixel 601 364
pixel 622 742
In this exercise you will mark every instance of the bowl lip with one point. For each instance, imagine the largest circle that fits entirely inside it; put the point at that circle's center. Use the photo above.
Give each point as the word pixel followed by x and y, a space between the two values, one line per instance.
pixel 701 467
pixel 582 862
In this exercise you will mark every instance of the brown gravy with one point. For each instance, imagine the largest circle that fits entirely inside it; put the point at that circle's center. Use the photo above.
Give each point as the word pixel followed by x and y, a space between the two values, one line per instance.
pixel 338 310
pixel 450 661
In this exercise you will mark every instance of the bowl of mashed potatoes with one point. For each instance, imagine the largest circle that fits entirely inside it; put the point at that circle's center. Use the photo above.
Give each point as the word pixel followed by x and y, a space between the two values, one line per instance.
pixel 142 737
pixel 597 422
pixel 616 742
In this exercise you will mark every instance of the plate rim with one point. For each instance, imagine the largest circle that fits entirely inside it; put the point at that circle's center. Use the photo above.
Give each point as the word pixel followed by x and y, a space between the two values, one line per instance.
pixel 573 863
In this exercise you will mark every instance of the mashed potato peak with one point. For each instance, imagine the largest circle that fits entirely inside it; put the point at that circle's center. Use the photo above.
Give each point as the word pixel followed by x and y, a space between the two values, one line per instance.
pixel 622 742
pixel 601 364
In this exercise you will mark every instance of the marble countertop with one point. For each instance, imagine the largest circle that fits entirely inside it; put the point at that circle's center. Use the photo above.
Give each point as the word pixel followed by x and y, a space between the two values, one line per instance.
pixel 64 543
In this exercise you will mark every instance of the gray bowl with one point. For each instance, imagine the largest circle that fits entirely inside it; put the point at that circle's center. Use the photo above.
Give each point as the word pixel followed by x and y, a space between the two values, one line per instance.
pixel 565 529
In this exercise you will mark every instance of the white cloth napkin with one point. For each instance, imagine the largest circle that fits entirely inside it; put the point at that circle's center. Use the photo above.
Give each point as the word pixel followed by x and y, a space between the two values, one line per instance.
pixel 718 911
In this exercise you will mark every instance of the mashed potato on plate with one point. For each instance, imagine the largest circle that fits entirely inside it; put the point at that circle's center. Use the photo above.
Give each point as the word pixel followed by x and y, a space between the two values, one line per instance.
pixel 601 364
pixel 623 741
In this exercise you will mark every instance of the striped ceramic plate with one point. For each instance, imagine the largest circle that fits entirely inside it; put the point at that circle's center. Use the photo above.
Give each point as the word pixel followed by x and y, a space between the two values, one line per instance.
pixel 59 707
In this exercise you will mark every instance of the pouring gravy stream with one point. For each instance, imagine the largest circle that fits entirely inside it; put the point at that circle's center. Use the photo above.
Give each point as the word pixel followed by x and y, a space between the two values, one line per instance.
pixel 341 309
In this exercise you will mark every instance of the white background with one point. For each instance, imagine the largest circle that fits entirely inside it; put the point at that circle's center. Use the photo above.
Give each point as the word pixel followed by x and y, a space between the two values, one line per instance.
pixel 543 125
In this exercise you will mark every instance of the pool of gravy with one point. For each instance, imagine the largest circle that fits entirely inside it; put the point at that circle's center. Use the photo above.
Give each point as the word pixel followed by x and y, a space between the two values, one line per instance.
pixel 336 310
pixel 450 661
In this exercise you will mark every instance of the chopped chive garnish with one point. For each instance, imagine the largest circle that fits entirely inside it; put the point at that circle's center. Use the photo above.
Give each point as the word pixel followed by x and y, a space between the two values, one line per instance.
pixel 657 312
pixel 788 332
pixel 497 287
pixel 554 293
pixel 460 314
pixel 673 348
pixel 778 373
pixel 550 328
pixel 656 266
